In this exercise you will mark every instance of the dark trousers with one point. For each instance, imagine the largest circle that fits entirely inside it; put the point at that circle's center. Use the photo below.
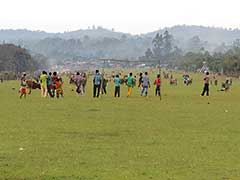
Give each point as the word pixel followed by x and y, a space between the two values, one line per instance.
pixel 96 89
pixel 50 91
pixel 205 89
pixel 78 90
pixel 104 90
pixel 117 91
pixel 157 91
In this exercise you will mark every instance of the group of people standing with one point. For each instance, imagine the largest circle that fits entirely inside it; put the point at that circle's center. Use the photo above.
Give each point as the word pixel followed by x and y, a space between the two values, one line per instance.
pixel 80 81
pixel 130 81
pixel 51 84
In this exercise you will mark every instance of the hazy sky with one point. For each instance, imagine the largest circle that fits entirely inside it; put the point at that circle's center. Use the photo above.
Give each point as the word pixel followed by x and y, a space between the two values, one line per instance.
pixel 133 16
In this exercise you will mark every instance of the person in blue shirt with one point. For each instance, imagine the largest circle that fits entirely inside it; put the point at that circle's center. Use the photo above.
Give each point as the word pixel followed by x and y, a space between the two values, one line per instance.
pixel 49 84
pixel 97 80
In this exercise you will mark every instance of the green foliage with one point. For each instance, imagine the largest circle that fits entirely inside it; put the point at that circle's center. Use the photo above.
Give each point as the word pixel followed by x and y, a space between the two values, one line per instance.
pixel 228 62
pixel 16 59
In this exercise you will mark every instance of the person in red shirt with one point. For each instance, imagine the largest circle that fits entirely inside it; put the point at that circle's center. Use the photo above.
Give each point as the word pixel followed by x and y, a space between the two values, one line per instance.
pixel 206 84
pixel 54 79
pixel 158 84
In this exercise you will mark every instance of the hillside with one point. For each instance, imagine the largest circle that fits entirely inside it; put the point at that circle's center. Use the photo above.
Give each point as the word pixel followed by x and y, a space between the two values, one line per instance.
pixel 100 42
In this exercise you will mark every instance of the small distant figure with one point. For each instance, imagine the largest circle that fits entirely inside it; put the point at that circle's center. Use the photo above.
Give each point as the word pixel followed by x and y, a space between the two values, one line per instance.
pixel 130 83
pixel 117 83
pixel 43 80
pixel 49 84
pixel 140 80
pixel 84 82
pixel 104 85
pixel 1 80
pixel 23 87
pixel 206 85
pixel 97 80
pixel 23 79
pixel 145 84
pixel 59 90
pixel 54 79
pixel 187 80
pixel 157 82
pixel 226 86
pixel 78 82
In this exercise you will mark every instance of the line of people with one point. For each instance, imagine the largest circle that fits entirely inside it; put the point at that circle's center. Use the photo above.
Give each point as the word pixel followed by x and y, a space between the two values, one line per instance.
pixel 144 84
pixel 51 84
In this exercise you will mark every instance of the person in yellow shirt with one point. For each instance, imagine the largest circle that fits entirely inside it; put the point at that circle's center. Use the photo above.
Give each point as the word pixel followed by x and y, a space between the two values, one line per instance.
pixel 43 80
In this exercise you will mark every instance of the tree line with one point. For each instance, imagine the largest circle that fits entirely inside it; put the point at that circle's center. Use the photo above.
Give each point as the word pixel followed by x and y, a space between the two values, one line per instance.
pixel 164 50
pixel 15 59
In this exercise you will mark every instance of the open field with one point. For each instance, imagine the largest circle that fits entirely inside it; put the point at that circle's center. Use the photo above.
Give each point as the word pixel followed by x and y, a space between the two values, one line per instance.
pixel 81 138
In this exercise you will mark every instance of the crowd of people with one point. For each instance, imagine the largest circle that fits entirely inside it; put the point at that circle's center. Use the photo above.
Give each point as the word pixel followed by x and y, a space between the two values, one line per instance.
pixel 51 84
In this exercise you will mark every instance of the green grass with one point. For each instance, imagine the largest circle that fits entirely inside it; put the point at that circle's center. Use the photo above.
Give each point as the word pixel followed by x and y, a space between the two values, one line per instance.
pixel 181 137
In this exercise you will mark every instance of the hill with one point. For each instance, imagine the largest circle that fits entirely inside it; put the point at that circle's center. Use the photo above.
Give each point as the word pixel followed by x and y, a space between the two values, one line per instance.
pixel 101 42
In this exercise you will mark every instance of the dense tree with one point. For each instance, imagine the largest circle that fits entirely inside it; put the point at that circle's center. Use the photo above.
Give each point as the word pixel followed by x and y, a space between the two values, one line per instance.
pixel 16 59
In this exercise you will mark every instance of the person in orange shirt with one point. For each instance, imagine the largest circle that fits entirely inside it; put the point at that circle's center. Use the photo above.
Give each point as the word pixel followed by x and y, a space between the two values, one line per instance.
pixel 59 90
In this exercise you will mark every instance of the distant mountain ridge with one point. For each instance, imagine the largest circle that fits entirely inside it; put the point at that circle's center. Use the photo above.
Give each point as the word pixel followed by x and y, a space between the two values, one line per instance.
pixel 26 35
pixel 101 42
pixel 181 32
pixel 211 34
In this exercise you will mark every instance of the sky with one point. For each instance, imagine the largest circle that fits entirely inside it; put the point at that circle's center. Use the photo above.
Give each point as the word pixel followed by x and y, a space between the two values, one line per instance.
pixel 129 16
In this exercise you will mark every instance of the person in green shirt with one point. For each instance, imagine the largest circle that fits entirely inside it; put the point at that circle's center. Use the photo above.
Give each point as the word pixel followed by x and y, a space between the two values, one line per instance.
pixel 43 80
pixel 130 82
pixel 117 83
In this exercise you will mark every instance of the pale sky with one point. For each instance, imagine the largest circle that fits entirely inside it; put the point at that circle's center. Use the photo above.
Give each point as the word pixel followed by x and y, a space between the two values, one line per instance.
pixel 130 16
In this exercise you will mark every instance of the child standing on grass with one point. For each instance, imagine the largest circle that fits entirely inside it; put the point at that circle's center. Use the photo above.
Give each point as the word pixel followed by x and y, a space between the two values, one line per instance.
pixel 157 82
pixel 59 90
pixel 206 85
pixel 23 88
pixel 117 82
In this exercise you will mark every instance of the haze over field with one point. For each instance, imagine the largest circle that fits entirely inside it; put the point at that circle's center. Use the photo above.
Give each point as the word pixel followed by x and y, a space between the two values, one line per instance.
pixel 175 33
pixel 135 16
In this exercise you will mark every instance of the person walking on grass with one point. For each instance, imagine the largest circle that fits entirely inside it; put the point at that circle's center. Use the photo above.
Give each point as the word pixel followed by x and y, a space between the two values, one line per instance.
pixel 104 85
pixel 145 84
pixel 140 80
pixel 97 80
pixel 129 82
pixel 54 79
pixel 43 80
pixel 157 82
pixel 206 85
pixel 117 82
pixel 49 84
pixel 78 81
pixel 59 90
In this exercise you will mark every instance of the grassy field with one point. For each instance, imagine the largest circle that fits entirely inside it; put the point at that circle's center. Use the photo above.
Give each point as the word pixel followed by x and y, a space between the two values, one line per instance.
pixel 184 136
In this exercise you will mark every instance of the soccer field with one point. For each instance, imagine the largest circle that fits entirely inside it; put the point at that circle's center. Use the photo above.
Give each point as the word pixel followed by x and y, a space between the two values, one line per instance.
pixel 183 136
